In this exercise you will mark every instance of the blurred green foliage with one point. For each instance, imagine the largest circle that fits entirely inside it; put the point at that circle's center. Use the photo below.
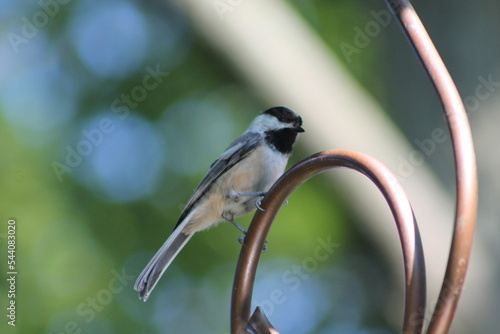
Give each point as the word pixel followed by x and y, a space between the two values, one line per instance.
pixel 84 232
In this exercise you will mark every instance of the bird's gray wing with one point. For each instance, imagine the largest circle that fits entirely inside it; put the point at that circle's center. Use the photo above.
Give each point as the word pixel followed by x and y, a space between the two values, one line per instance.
pixel 150 276
pixel 236 151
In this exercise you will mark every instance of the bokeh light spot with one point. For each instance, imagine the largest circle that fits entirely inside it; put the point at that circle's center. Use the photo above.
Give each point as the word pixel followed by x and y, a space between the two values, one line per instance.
pixel 111 37
pixel 123 158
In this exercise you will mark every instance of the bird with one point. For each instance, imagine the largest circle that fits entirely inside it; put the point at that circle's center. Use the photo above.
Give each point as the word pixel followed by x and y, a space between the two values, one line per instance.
pixel 233 186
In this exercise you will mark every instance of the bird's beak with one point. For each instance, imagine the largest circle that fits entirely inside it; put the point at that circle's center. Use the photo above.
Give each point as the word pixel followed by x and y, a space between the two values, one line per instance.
pixel 299 129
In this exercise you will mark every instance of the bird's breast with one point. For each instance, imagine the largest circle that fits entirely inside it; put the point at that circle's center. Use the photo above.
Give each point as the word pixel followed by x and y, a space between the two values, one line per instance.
pixel 256 173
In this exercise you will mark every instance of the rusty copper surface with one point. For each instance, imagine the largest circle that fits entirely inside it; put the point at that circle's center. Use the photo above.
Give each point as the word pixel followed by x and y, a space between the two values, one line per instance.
pixel 259 324
pixel 387 183
pixel 465 164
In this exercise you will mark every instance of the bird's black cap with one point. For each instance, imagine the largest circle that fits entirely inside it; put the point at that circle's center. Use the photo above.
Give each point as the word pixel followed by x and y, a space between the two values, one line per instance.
pixel 285 115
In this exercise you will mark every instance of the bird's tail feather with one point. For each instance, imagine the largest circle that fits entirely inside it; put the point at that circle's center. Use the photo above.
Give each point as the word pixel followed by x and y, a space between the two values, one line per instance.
pixel 150 276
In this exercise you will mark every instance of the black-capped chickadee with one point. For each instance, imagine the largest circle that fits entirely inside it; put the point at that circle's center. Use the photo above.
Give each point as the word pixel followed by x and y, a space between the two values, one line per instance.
pixel 232 187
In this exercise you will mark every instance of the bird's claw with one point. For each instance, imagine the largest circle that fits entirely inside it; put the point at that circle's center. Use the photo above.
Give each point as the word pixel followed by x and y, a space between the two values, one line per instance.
pixel 258 204
pixel 241 240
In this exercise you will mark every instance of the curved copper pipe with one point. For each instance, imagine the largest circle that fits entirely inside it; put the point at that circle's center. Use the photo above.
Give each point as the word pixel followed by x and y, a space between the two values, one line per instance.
pixel 465 164
pixel 415 293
